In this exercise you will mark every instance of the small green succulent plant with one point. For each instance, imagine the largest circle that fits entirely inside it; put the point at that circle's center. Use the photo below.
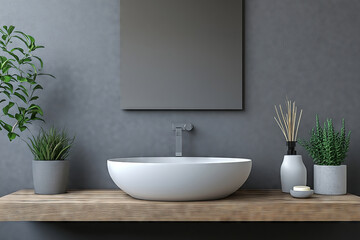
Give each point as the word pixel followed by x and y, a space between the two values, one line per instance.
pixel 327 146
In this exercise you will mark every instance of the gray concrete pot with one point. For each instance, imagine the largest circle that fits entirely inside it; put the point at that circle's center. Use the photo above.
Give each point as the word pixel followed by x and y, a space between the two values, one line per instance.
pixel 50 177
pixel 330 180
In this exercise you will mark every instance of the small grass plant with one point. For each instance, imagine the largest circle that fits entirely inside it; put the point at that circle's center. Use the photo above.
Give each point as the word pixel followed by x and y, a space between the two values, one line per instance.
pixel 51 144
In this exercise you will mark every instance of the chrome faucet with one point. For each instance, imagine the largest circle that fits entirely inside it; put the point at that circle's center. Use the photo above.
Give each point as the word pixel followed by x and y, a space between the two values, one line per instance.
pixel 178 128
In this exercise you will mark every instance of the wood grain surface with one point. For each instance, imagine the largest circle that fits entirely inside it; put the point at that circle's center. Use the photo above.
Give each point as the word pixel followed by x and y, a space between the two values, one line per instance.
pixel 115 205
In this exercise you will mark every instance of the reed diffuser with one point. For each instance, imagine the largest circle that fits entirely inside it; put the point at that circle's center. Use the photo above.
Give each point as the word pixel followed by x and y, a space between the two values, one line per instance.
pixel 293 171
pixel 289 124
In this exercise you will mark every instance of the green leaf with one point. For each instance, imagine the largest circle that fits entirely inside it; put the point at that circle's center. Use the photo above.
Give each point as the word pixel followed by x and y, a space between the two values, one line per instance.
pixel 40 60
pixel 25 92
pixel 20 96
pixel 11 136
pixel 32 40
pixel 31 81
pixel 18 37
pixel 7 127
pixel 24 35
pixel 18 49
pixel 2 100
pixel 22 128
pixel 9 86
pixel 21 79
pixel 5 62
pixel 25 60
pixel 36 108
pixel 7 94
pixel 10 30
pixel 37 87
pixel 33 66
pixel 34 98
pixel 40 119
pixel 6 78
pixel 62 152
pixel 4 37
pixel 6 69
pixel 14 56
pixel 46 74
pixel 23 89
pixel 39 47
pixel 21 110
pixel 32 43
pixel 19 117
pixel 7 108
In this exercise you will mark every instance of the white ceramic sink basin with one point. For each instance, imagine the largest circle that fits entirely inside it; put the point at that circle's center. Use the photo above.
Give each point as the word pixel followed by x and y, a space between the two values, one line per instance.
pixel 179 178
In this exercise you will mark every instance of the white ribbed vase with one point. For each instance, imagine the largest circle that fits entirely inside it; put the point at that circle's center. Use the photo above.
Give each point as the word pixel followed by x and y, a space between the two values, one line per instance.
pixel 292 172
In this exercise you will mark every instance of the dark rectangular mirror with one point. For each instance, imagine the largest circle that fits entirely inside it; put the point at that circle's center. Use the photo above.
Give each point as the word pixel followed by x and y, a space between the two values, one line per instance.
pixel 181 54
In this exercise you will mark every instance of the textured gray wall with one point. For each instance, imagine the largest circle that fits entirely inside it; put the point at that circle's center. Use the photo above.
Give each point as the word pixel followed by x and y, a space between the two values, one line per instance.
pixel 307 50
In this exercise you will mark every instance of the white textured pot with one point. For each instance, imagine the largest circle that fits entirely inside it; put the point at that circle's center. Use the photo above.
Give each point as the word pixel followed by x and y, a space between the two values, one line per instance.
pixel 330 180
pixel 292 172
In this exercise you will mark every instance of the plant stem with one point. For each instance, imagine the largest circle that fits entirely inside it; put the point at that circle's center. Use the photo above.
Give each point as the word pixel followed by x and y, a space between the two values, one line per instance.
pixel 14 126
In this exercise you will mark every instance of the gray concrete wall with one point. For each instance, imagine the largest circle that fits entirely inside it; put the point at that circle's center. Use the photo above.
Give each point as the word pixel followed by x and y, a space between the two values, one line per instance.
pixel 308 50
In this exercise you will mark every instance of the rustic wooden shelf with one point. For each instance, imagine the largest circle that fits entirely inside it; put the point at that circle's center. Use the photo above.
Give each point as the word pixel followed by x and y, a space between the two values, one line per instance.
pixel 115 205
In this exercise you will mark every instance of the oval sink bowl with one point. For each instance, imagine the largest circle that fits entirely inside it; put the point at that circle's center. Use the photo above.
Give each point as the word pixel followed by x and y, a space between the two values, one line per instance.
pixel 179 178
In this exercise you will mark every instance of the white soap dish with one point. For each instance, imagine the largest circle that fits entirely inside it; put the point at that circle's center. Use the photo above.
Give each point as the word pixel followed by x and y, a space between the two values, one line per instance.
pixel 301 194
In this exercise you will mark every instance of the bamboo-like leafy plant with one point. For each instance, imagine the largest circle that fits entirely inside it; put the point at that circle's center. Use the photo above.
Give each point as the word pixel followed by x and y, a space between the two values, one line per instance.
pixel 19 71
pixel 326 146
pixel 50 145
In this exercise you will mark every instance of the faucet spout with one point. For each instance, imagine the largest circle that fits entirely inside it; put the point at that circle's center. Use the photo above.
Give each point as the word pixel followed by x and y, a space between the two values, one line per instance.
pixel 178 142
pixel 178 128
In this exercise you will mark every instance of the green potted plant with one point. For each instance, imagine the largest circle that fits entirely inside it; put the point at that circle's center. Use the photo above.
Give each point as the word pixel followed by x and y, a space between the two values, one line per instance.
pixel 50 165
pixel 20 70
pixel 328 149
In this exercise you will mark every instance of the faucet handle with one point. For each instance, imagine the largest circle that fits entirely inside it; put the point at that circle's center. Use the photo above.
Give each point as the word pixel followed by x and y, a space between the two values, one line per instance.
pixel 182 126
pixel 188 126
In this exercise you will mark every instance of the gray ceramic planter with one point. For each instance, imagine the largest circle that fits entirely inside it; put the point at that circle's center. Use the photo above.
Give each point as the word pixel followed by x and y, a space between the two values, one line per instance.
pixel 330 180
pixel 50 177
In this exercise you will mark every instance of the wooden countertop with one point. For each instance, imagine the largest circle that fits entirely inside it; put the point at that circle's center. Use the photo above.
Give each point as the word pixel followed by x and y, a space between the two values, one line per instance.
pixel 115 205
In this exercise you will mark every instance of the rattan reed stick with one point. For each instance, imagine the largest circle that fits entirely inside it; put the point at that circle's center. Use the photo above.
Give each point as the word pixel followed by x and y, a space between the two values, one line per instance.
pixel 287 121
